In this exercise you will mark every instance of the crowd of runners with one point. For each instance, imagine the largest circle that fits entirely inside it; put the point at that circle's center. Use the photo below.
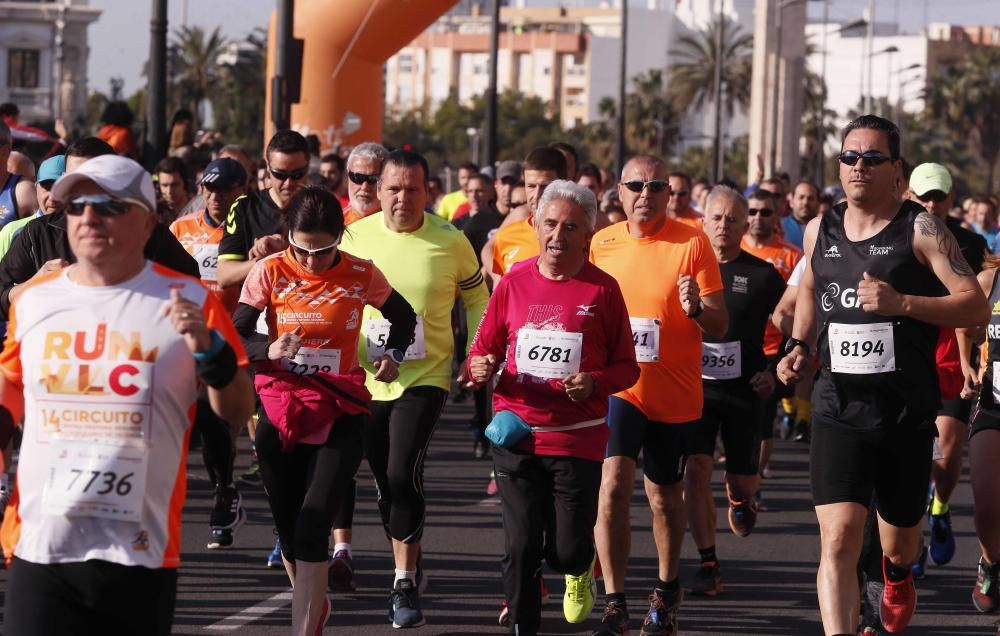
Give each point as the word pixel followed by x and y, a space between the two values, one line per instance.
pixel 602 325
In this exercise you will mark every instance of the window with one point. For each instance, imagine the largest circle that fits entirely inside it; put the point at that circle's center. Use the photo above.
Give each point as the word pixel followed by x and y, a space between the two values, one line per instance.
pixel 22 68
pixel 405 63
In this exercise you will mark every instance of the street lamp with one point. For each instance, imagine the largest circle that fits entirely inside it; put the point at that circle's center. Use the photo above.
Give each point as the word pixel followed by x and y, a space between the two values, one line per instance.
pixel 782 5
pixel 889 50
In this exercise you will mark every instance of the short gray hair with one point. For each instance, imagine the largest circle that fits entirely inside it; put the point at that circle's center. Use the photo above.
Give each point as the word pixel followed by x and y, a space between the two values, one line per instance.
pixel 572 192
pixel 368 150
pixel 4 134
pixel 725 192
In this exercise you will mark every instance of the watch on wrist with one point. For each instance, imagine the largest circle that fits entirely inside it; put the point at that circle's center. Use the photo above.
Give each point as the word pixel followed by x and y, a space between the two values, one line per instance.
pixel 697 312
pixel 396 355
pixel 791 343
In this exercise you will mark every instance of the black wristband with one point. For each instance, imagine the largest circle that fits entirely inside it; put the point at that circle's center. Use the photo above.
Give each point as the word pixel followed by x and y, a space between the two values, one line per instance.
pixel 220 370
pixel 697 312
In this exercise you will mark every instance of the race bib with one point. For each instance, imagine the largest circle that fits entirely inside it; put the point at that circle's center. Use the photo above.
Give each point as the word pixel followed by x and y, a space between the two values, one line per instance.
pixel 208 261
pixel 862 349
pixel 996 383
pixel 310 361
pixel 548 354
pixel 721 360
pixel 646 338
pixel 377 334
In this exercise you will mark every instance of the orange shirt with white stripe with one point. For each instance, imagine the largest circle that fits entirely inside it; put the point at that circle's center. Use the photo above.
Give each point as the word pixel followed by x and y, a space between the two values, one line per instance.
pixel 514 243
pixel 200 238
pixel 647 269
pixel 110 391
pixel 784 256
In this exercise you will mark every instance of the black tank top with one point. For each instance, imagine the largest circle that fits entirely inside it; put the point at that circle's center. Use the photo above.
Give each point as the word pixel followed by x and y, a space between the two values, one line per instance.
pixel 874 369
pixel 989 397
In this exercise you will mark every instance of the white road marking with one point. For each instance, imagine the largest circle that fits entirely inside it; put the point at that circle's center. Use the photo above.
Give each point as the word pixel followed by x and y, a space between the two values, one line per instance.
pixel 250 614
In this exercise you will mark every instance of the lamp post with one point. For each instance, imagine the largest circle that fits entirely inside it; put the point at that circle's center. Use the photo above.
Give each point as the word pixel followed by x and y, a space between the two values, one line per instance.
pixel 156 105
pixel 490 136
pixel 620 145
pixel 782 5
pixel 718 168
pixel 889 50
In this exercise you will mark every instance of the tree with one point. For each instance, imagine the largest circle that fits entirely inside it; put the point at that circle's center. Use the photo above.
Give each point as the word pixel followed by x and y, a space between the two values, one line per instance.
pixel 194 69
pixel 692 78
pixel 966 99
pixel 238 97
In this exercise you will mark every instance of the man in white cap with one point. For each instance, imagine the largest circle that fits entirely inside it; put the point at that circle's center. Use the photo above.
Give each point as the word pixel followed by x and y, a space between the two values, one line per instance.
pixel 103 358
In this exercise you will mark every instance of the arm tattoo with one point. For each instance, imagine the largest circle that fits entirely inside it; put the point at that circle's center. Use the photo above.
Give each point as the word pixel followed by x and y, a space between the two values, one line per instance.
pixel 930 225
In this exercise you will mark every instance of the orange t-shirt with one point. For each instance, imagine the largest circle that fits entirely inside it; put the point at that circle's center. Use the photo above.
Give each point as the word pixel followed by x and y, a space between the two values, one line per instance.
pixel 692 218
pixel 201 241
pixel 514 243
pixel 784 256
pixel 669 389
pixel 324 310
pixel 350 216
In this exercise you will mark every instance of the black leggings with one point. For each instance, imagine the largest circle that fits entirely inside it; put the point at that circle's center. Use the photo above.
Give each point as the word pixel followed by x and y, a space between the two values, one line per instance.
pixel 88 598
pixel 218 449
pixel 305 485
pixel 396 440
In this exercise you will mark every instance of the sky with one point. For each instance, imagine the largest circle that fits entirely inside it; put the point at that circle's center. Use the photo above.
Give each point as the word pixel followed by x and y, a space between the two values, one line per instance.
pixel 119 40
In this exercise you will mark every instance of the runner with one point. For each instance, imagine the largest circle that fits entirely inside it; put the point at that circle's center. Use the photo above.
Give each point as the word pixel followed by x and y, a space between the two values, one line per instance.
pixel 223 181
pixel 869 260
pixel 984 443
pixel 364 165
pixel 677 297
pixel 737 382
pixel 17 195
pixel 312 296
pixel 679 206
pixel 430 263
pixel 50 170
pixel 555 400
pixel 101 480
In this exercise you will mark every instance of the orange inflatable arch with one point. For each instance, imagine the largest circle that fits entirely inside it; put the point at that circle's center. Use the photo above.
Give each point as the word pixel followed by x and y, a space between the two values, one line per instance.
pixel 345 44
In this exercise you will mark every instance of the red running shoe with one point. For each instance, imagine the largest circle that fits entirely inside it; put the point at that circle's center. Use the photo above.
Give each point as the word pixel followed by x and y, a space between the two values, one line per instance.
pixel 899 600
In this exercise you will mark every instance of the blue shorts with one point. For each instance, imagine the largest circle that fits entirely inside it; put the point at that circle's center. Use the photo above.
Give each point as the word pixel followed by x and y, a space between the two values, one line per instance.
pixel 665 446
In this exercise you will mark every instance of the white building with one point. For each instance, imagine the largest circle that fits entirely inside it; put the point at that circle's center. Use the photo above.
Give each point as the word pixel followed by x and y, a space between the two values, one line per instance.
pixel 41 41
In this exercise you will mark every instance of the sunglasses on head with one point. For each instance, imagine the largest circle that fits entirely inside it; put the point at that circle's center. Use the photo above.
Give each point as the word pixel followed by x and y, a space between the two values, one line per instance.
pixel 870 158
pixel 932 196
pixel 306 251
pixel 104 205
pixel 282 175
pixel 761 211
pixel 657 185
pixel 360 178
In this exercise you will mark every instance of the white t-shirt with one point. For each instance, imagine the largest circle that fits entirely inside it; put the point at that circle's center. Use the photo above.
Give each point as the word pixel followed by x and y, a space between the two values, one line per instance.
pixel 795 278
pixel 109 397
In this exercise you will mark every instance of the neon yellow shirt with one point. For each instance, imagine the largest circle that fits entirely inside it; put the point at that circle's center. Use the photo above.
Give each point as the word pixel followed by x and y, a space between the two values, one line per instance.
pixel 10 232
pixel 449 204
pixel 429 268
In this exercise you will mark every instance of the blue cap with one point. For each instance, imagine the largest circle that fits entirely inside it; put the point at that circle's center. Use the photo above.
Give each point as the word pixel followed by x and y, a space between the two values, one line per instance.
pixel 224 173
pixel 52 168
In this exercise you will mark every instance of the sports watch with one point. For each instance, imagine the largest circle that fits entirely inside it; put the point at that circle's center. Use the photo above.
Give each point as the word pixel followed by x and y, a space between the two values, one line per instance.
pixel 791 343
pixel 395 354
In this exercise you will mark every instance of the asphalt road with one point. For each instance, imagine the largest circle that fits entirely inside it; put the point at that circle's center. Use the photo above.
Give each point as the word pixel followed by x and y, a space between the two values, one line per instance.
pixel 769 577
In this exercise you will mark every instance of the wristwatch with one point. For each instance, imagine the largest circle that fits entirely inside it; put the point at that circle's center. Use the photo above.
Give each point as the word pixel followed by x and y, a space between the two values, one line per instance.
pixel 396 355
pixel 698 310
pixel 791 343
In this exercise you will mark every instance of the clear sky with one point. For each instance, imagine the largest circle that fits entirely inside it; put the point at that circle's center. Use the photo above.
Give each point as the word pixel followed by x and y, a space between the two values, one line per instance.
pixel 119 40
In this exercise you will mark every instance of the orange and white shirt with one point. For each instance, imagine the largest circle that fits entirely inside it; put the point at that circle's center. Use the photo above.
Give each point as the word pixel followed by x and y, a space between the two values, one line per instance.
pixel 514 243
pixel 110 390
pixel 668 343
pixel 324 310
pixel 784 256
pixel 201 240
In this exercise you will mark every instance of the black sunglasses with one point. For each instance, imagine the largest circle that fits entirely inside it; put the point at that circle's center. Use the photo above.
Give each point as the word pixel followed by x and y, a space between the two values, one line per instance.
pixel 103 204
pixel 517 204
pixel 870 158
pixel 761 211
pixel 932 196
pixel 281 175
pixel 656 185
pixel 680 194
pixel 360 178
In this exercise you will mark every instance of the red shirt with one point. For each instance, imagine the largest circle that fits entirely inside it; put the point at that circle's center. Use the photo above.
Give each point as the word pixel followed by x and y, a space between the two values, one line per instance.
pixel 590 304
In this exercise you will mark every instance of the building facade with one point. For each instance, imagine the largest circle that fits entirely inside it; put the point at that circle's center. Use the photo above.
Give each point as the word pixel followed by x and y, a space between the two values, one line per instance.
pixel 43 57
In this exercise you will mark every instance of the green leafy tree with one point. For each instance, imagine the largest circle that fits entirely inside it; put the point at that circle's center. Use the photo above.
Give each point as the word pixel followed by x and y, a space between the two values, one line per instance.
pixel 238 96
pixel 692 76
pixel 193 69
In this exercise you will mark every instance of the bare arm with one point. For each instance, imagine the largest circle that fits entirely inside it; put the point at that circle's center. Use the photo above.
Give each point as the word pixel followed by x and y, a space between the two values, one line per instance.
pixel 27 203
pixel 784 314
pixel 714 319
pixel 232 273
pixel 795 364
pixel 968 336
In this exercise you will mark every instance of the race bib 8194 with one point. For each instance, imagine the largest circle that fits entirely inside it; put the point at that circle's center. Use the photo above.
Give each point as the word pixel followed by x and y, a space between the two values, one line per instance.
pixel 862 349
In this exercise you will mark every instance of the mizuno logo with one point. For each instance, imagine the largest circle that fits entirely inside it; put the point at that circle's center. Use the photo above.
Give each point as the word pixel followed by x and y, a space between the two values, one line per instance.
pixel 585 310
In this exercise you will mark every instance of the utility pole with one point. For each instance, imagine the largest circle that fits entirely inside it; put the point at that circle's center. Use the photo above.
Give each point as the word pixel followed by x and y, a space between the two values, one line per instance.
pixel 620 150
pixel 156 105
pixel 281 106
pixel 719 168
pixel 490 134
pixel 870 39
pixel 820 114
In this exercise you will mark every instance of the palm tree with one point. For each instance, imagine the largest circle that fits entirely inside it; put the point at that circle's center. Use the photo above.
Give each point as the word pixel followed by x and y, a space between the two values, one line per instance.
pixel 652 123
pixel 966 99
pixel 193 56
pixel 692 78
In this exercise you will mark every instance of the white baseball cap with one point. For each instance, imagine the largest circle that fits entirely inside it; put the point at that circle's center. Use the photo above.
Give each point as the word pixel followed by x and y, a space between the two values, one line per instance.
pixel 118 176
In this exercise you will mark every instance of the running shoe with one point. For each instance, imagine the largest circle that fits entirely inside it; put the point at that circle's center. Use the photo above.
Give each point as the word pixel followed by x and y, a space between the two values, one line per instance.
pixel 802 432
pixel 786 425
pixel 340 573
pixel 252 475
pixel 986 594
pixel 920 567
pixel 581 590
pixel 742 517
pixel 899 600
pixel 942 538
pixel 274 558
pixel 661 619
pixel 491 488
pixel 707 580
pixel 615 620
pixel 871 600
pixel 504 618
pixel 480 446
pixel 226 517
pixel 404 605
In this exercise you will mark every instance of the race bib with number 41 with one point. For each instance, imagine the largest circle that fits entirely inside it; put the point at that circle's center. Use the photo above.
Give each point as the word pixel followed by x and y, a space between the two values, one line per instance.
pixel 862 349
pixel 646 338
pixel 548 354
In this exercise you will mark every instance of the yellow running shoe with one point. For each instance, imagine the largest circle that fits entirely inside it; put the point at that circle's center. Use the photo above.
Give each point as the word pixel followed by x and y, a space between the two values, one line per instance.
pixel 580 593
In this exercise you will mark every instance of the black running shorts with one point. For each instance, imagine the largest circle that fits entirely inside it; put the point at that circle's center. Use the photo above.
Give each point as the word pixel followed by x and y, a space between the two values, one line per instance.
pixel 665 446
pixel 736 415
